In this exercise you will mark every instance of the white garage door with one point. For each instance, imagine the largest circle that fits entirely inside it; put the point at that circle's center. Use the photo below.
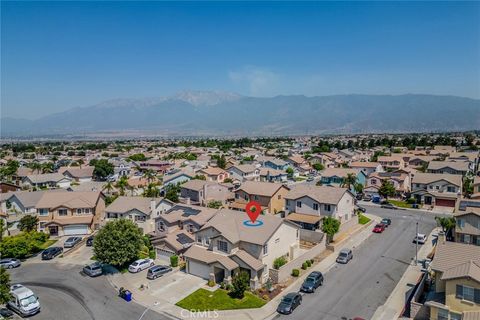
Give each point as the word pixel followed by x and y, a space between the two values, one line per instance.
pixel 198 269
pixel 76 229
pixel 163 254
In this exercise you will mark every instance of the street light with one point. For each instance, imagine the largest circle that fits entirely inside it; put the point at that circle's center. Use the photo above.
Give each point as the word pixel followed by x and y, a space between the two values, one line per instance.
pixel 416 244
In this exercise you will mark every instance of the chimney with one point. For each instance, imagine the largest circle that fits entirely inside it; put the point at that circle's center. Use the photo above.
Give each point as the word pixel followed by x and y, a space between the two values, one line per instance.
pixel 153 205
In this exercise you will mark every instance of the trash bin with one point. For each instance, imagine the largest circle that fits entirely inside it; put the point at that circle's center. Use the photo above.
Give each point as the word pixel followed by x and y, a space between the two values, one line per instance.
pixel 128 296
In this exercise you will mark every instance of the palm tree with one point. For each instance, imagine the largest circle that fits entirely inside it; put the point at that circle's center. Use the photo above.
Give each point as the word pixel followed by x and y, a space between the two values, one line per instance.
pixel 35 166
pixel 349 180
pixel 47 167
pixel 108 186
pixel 150 175
pixel 151 191
pixel 122 184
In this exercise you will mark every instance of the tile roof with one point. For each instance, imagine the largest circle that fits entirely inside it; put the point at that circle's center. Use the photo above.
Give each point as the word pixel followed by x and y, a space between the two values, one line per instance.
pixel 321 194
pixel 77 172
pixel 469 269
pixel 338 172
pixel 451 254
pixel 456 165
pixel 359 164
pixel 202 254
pixel 267 189
pixel 426 178
pixel 184 212
pixel 68 199
pixel 247 258
pixel 124 204
pixel 45 177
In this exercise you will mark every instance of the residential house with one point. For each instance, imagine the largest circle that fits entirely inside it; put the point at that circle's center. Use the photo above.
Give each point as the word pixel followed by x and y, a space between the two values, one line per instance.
pixel 156 165
pixel 226 244
pixel 420 161
pixel 277 164
pixel 8 187
pixel 450 167
pixel 67 213
pixel 215 174
pixel 78 174
pixel 467 227
pixel 367 167
pixel 306 205
pixel 46 180
pixel 21 173
pixel 456 294
pixel 272 175
pixel 335 177
pixel 391 163
pixel 433 189
pixel 268 195
pixel 244 172
pixel 399 179
pixel 200 192
pixel 297 161
pixel 177 177
pixel 175 228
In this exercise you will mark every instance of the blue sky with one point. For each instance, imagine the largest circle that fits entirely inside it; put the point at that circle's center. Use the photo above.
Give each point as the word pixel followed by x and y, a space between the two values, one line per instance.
pixel 59 55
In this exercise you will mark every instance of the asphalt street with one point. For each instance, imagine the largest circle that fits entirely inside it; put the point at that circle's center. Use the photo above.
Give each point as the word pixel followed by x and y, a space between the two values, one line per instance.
pixel 66 294
pixel 358 288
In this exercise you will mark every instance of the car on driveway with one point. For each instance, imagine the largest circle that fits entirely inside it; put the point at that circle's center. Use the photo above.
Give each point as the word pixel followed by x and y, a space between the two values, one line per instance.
pixel 93 269
pixel 367 197
pixel 420 238
pixel 89 241
pixel 71 242
pixel 23 301
pixel 140 265
pixel 312 282
pixel 379 228
pixel 157 271
pixel 386 222
pixel 51 253
pixel 361 209
pixel 289 303
pixel 344 256
pixel 388 205
pixel 10 263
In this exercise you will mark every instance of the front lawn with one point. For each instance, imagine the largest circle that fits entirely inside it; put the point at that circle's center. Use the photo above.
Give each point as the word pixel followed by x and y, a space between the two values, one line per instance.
pixel 363 219
pixel 219 299
pixel 47 244
pixel 400 204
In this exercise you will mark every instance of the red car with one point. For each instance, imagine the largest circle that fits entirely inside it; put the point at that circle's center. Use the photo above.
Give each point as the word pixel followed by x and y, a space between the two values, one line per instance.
pixel 379 228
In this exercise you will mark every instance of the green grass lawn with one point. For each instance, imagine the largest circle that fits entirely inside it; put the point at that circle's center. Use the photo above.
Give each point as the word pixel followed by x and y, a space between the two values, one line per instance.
pixel 47 244
pixel 401 204
pixel 363 219
pixel 219 299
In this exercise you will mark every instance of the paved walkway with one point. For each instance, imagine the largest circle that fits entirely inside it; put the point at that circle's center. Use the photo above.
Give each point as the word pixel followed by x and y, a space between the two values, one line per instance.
pixel 395 304
pixel 352 239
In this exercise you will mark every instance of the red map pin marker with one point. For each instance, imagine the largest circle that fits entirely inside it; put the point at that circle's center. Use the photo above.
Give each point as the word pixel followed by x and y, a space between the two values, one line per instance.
pixel 253 215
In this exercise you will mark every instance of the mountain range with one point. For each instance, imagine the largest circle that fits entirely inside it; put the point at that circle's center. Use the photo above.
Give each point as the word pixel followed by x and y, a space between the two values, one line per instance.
pixel 201 113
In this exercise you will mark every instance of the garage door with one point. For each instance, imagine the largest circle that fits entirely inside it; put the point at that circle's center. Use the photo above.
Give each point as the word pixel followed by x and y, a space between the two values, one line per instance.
pixel 445 203
pixel 163 254
pixel 76 229
pixel 198 269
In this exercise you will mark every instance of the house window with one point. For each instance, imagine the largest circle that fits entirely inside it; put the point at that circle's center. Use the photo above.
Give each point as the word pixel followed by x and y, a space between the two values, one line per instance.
pixel 43 212
pixel 326 207
pixel 287 203
pixel 279 197
pixel 437 187
pixel 199 239
pixel 62 212
pixel 265 249
pixel 465 293
pixel 299 204
pixel 442 314
pixel 255 197
pixel 461 223
pixel 245 197
pixel 222 246
pixel 450 189
pixel 455 316
pixel 466 238
pixel 42 225
pixel 161 226
pixel 79 211
pixel 207 240
pixel 237 196
pixel 373 181
pixel 190 228
pixel 315 206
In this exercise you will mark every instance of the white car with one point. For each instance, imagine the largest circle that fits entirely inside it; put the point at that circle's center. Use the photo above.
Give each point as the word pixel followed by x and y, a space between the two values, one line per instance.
pixel 140 265
pixel 420 238
pixel 23 301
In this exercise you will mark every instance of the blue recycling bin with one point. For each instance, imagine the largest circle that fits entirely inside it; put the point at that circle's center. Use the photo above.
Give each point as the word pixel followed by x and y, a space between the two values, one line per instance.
pixel 128 296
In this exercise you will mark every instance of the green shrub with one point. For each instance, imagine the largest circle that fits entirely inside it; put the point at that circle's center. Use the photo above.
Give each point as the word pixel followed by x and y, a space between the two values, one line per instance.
pixel 211 283
pixel 278 262
pixel 312 261
pixel 174 261
pixel 295 272
pixel 309 263
pixel 411 200
pixel 304 266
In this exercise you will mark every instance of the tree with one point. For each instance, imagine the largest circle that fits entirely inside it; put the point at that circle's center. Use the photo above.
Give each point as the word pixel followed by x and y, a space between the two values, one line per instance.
pixel 447 223
pixel 228 180
pixel 109 187
pixel 467 186
pixel 240 283
pixel 28 223
pixel 36 167
pixel 330 226
pixel 103 168
pixel 118 242
pixel 4 286
pixel 2 228
pixel 358 187
pixel 215 204
pixel 9 169
pixel 47 167
pixel 387 189
pixel 318 166
pixel 349 180
pixel 150 175
pixel 122 184
pixel 221 162
pixel 151 191
pixel 199 177
pixel 289 171
pixel 171 192
pixel 138 157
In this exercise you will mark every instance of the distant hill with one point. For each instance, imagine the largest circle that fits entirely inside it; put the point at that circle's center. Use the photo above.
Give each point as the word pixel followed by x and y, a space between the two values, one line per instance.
pixel 220 113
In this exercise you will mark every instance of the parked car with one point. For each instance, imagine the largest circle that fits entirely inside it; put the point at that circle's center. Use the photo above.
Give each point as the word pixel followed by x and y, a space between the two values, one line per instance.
pixel 289 303
pixel 345 255
pixel 361 209
pixel 359 196
pixel 140 265
pixel 376 199
pixel 312 282
pixel 51 253
pixel 388 205
pixel 89 241
pixel 157 271
pixel 71 242
pixel 420 238
pixel 310 179
pixel 379 228
pixel 93 269
pixel 23 301
pixel 386 222
pixel 10 263
pixel 367 197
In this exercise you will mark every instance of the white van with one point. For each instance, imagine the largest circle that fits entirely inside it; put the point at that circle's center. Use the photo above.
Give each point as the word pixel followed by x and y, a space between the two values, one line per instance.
pixel 23 301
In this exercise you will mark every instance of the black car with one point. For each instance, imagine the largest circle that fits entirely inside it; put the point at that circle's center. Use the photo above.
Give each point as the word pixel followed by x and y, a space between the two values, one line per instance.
pixel 89 241
pixel 359 196
pixel 388 205
pixel 51 253
pixel 312 282
pixel 289 303
pixel 386 221
pixel 361 209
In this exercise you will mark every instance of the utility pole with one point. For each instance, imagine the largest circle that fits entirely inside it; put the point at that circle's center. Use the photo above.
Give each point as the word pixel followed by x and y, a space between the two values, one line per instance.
pixel 416 244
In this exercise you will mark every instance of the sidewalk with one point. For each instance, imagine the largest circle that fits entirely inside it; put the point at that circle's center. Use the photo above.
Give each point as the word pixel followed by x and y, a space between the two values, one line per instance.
pixel 351 239
pixel 439 212
pixel 395 304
